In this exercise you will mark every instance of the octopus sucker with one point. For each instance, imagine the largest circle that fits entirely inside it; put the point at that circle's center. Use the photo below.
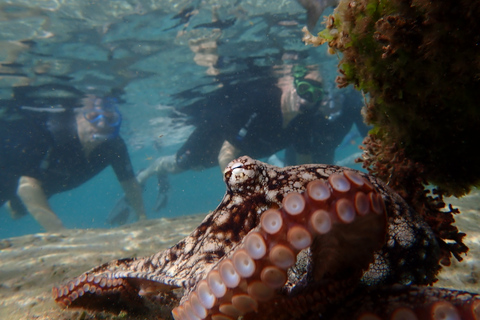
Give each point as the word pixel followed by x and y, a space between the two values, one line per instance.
pixel 285 233
pixel 309 241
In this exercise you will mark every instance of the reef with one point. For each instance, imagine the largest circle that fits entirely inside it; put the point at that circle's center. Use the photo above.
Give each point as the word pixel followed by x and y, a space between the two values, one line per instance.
pixel 418 63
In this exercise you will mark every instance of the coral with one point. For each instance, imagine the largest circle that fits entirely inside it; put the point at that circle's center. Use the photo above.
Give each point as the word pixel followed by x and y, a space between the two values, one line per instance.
pixel 419 63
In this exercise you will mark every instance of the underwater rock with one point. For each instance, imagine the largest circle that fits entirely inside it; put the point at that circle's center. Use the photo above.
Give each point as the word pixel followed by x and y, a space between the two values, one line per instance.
pixel 419 62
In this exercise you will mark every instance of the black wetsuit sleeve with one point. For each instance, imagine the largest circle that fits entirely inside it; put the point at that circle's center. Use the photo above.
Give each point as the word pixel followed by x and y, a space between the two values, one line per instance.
pixel 120 162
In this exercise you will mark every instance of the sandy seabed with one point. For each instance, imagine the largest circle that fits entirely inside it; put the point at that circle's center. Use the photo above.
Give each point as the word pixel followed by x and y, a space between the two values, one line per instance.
pixel 31 265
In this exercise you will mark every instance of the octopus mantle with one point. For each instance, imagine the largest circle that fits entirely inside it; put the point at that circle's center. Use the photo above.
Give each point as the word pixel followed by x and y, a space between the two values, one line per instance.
pixel 310 241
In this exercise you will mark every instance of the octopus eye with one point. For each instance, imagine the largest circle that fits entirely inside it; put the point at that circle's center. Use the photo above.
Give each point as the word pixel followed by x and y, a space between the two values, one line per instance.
pixel 236 166
pixel 241 176
pixel 239 173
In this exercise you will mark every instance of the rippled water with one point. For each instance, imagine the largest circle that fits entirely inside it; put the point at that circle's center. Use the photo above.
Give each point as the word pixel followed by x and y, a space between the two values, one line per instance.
pixel 146 48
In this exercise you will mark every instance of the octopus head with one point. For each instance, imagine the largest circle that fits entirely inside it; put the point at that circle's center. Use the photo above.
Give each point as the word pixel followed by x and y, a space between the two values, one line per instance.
pixel 242 174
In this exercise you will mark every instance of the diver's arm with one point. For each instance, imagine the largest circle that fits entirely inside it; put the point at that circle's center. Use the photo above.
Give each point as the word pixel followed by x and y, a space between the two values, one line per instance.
pixel 162 165
pixel 227 153
pixel 133 194
pixel 33 197
pixel 143 175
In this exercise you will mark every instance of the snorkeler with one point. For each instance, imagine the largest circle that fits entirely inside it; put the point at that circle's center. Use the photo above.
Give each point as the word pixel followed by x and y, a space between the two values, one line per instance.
pixel 53 149
pixel 261 117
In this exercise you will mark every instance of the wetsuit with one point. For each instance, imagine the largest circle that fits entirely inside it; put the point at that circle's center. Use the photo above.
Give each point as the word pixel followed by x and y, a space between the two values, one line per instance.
pixel 50 151
pixel 249 117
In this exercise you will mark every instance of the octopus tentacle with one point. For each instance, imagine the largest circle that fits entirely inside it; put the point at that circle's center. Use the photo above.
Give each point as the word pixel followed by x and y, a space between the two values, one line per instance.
pixel 99 289
pixel 256 270
pixel 410 302
pixel 85 288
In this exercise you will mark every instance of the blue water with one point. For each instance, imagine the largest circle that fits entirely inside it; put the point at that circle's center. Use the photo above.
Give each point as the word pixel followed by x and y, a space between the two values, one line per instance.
pixel 144 49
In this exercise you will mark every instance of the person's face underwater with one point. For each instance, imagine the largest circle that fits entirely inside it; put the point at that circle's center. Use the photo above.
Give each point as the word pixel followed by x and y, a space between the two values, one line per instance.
pixel 103 118
pixel 309 91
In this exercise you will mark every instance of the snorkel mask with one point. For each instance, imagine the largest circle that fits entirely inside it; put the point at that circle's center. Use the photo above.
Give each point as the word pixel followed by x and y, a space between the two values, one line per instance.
pixel 106 117
pixel 309 90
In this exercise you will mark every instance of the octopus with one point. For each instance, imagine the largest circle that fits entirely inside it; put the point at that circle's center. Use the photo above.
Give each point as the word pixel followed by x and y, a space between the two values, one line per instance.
pixel 300 242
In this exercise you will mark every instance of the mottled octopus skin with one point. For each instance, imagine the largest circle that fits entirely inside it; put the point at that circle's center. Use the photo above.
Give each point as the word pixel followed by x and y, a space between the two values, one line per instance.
pixel 303 270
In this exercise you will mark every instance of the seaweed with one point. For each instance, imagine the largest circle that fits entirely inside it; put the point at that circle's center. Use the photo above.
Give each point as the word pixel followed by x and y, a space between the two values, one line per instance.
pixel 418 62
